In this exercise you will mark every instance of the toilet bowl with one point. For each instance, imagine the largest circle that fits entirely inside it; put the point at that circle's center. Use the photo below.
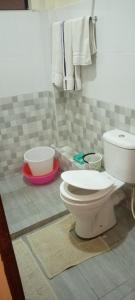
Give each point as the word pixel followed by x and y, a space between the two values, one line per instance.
pixel 93 209
pixel 89 195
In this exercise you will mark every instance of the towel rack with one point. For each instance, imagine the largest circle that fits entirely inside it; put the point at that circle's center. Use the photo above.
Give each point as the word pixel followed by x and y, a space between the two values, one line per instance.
pixel 93 18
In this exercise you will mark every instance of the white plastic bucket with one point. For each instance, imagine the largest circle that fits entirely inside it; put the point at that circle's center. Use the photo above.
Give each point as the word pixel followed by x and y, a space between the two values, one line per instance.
pixel 40 160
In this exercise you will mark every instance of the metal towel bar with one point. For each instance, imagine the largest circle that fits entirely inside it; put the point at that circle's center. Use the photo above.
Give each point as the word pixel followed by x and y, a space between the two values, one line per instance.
pixel 93 18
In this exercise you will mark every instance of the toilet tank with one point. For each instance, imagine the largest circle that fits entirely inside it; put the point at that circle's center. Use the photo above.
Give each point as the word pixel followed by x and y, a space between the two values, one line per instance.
pixel 119 155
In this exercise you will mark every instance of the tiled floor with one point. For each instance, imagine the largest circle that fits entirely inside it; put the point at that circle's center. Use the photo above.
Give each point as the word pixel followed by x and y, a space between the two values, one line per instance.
pixel 28 206
pixel 110 276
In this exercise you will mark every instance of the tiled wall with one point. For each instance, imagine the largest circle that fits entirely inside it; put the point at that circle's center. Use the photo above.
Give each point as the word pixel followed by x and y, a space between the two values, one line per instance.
pixel 87 119
pixel 62 119
pixel 25 121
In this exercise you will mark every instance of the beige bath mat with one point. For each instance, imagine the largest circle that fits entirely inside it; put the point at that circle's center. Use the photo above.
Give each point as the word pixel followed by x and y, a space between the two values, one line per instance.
pixel 35 284
pixel 58 248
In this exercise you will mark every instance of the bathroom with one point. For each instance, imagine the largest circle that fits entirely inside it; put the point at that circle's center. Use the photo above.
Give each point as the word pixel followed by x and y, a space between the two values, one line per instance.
pixel 33 112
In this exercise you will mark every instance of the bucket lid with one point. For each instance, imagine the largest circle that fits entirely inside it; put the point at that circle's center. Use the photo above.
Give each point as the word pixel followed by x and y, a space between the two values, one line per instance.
pixel 87 179
pixel 120 138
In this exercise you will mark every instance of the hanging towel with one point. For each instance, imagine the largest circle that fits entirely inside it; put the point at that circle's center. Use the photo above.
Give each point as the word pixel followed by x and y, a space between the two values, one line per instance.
pixel 81 43
pixel 72 79
pixel 92 26
pixel 57 54
pixel 84 44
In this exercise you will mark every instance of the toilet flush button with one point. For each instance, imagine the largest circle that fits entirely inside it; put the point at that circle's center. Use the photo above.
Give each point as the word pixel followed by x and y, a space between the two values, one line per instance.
pixel 87 179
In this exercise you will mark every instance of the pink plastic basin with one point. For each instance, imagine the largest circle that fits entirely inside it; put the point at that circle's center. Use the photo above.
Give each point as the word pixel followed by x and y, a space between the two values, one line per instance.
pixel 43 179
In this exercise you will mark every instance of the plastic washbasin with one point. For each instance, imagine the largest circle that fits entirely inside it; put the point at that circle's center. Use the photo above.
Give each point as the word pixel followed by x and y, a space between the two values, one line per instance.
pixel 42 179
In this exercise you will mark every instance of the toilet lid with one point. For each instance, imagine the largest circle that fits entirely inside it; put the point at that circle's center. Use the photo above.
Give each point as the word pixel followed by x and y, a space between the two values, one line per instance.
pixel 87 179
pixel 80 195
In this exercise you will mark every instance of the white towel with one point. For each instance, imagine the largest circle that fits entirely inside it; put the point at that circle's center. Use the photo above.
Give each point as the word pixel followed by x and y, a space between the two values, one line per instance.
pixel 72 73
pixel 57 54
pixel 84 44
pixel 93 47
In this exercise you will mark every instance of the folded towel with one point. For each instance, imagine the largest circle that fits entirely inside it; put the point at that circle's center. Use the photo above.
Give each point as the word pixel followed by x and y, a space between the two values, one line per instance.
pixel 72 79
pixel 57 54
pixel 73 44
pixel 81 43
pixel 84 43
pixel 69 79
pixel 93 47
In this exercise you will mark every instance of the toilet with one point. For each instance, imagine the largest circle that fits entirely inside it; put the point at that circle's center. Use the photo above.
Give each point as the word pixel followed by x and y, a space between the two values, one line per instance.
pixel 89 195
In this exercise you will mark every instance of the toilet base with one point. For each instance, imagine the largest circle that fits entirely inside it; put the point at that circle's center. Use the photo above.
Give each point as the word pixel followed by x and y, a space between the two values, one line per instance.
pixel 95 224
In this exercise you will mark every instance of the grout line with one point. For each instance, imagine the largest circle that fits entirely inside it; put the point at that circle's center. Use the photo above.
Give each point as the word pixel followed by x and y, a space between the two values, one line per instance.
pixel 89 283
pixel 115 289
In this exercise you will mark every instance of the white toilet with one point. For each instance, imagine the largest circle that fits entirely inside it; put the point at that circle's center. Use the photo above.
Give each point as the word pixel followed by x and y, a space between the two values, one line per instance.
pixel 88 194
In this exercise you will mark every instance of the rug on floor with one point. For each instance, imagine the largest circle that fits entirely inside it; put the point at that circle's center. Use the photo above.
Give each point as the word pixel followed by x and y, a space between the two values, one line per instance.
pixel 57 247
pixel 35 284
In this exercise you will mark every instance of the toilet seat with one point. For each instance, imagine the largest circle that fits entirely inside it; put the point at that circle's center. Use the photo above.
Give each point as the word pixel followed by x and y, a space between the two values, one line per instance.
pixel 85 186
pixel 77 195
pixel 87 179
